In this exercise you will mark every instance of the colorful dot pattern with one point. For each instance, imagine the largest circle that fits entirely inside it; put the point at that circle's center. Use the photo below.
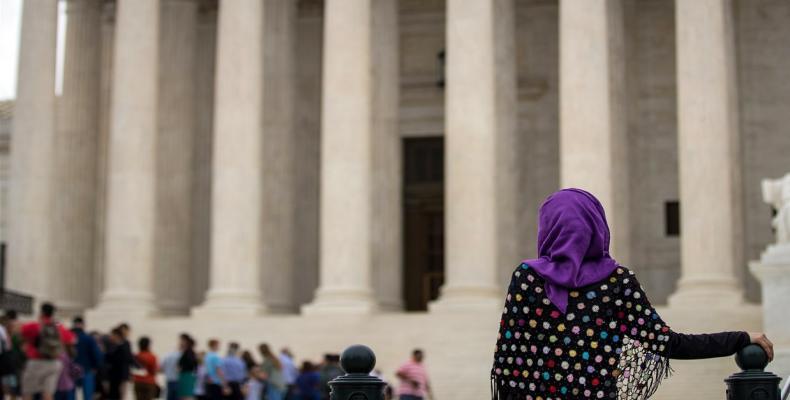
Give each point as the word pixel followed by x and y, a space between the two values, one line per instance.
pixel 609 344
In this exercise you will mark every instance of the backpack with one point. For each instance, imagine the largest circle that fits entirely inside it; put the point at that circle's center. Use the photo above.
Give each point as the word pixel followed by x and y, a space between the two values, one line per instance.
pixel 48 342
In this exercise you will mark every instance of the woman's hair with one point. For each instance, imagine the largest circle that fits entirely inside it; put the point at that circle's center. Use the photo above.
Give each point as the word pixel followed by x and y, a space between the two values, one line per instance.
pixel 248 359
pixel 188 340
pixel 144 343
pixel 307 366
pixel 267 354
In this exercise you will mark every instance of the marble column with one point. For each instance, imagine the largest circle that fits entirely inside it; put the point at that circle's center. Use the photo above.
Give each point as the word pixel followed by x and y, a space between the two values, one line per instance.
pixel 387 273
pixel 29 241
pixel 237 188
pixel 204 123
pixel 708 153
pixel 278 269
pixel 480 160
pixel 131 202
pixel 174 150
pixel 105 96
pixel 355 94
pixel 593 143
pixel 76 159
pixel 307 149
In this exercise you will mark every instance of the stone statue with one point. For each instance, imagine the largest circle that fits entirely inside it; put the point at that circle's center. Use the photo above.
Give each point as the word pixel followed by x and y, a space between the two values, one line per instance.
pixel 773 271
pixel 776 192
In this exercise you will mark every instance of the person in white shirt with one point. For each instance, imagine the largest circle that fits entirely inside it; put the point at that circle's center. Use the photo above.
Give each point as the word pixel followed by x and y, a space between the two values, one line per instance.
pixel 169 368
pixel 290 371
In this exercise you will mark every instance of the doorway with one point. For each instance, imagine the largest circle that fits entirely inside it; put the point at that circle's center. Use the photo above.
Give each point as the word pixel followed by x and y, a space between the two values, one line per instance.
pixel 423 213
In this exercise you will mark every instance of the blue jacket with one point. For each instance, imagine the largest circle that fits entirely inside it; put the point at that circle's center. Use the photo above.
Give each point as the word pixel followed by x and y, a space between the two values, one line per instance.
pixel 89 356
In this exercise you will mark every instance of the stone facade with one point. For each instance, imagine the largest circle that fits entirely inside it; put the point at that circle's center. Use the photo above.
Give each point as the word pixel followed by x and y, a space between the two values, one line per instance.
pixel 244 157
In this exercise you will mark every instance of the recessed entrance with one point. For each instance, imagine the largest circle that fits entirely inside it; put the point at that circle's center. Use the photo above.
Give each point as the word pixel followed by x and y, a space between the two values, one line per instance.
pixel 423 211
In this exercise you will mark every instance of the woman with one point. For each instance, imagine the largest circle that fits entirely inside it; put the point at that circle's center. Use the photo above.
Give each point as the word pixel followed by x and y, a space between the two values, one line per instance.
pixel 273 369
pixel 70 372
pixel 578 325
pixel 187 367
pixel 145 387
pixel 249 360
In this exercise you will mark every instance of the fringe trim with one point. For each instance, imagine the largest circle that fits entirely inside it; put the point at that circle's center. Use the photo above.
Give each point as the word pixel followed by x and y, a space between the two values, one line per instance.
pixel 641 372
pixel 653 372
pixel 658 371
pixel 502 393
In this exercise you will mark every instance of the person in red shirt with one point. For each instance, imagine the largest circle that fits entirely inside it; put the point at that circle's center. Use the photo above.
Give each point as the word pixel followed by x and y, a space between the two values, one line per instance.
pixel 45 340
pixel 145 387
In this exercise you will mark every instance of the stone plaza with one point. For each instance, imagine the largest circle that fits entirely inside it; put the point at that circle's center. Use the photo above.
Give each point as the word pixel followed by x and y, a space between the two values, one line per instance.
pixel 318 173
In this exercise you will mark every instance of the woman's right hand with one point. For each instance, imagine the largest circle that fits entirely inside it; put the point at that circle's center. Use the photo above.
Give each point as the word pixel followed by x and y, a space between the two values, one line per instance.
pixel 760 339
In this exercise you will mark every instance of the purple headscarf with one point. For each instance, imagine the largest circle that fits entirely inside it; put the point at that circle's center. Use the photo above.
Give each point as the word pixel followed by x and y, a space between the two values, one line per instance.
pixel 573 244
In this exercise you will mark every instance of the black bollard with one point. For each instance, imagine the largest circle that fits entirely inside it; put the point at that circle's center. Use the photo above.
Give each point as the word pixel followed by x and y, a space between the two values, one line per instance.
pixel 357 384
pixel 752 383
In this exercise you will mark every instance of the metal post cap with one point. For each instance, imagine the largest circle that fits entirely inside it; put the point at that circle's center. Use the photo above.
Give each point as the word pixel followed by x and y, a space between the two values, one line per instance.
pixel 751 357
pixel 358 359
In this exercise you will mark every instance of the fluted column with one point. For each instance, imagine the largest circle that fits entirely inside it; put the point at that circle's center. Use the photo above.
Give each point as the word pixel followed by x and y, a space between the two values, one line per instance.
pixel 592 109
pixel 387 232
pixel 76 159
pixel 29 240
pixel 708 149
pixel 279 70
pixel 174 150
pixel 356 91
pixel 105 97
pixel 131 202
pixel 204 113
pixel 237 187
pixel 479 141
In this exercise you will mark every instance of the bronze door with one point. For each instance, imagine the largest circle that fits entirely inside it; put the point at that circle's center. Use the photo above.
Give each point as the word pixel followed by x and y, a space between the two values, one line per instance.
pixel 423 202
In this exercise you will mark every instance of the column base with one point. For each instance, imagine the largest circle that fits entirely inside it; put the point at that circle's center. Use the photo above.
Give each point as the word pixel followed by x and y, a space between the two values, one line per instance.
pixel 280 307
pixel 341 302
pixel 124 305
pixel 468 299
pixel 173 309
pixel 393 306
pixel 230 303
pixel 68 309
pixel 711 292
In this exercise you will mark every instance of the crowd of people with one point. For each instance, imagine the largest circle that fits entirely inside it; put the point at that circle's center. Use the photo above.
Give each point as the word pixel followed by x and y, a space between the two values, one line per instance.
pixel 44 360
